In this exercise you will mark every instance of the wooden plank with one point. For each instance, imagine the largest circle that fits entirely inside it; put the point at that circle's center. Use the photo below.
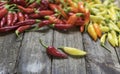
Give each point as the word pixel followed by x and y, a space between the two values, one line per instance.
pixel 33 58
pixel 100 60
pixel 70 65
pixel 9 48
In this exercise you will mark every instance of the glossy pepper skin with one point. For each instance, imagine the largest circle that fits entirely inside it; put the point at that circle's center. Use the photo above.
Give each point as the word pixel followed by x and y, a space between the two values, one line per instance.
pixel 52 51
pixel 3 22
pixel 3 12
pixel 15 18
pixel 44 23
pixel 21 29
pixel 10 17
pixel 20 16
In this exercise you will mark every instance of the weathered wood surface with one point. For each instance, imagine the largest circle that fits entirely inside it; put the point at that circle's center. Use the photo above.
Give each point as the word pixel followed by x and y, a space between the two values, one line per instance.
pixel 27 56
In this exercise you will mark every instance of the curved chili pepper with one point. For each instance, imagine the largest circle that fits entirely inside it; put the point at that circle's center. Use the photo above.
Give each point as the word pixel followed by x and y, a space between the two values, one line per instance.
pixel 8 28
pixel 114 37
pixel 61 26
pixel 50 50
pixel 44 23
pixel 22 29
pixel 20 16
pixel 10 16
pixel 27 22
pixel 41 13
pixel 3 22
pixel 111 39
pixel 81 7
pixel 26 10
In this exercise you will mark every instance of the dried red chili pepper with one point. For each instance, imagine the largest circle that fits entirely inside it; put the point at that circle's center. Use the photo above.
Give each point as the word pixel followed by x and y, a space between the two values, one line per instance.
pixel 44 23
pixel 27 22
pixel 19 2
pixel 3 22
pixel 21 29
pixel 10 16
pixel 26 10
pixel 8 28
pixel 50 50
pixel 41 13
pixel 61 26
pixel 20 16
pixel 34 4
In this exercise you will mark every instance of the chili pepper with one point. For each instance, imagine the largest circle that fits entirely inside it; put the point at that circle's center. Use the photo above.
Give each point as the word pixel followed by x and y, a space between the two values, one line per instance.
pixel 111 39
pixel 26 17
pixel 28 22
pixel 61 26
pixel 34 4
pixel 80 21
pixel 82 28
pixel 44 23
pixel 113 26
pixel 41 13
pixel 10 18
pixel 118 24
pixel 4 11
pixel 19 2
pixel 73 51
pixel 119 39
pixel 50 50
pixel 97 29
pixel 21 29
pixel 81 7
pixel 73 18
pixel 97 18
pixel 53 6
pixel 26 10
pixel 8 28
pixel 20 16
pixel 15 18
pixel 104 28
pixel 3 22
pixel 86 17
pixel 102 41
pixel 53 19
pixel 114 37
pixel 92 32
pixel 62 12
pixel 3 3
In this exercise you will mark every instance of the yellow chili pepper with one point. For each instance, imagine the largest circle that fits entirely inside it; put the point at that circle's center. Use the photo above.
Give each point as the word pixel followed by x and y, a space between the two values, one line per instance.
pixel 73 51
pixel 92 32
pixel 104 28
pixel 111 40
pixel 119 39
pixel 118 24
pixel 96 18
pixel 114 37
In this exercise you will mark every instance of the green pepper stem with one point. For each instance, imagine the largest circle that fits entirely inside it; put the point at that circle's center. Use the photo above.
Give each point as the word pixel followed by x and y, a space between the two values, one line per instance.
pixel 42 43
pixel 105 47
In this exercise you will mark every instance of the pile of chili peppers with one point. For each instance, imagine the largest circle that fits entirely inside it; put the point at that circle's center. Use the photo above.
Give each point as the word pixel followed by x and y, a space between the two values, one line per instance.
pixel 99 19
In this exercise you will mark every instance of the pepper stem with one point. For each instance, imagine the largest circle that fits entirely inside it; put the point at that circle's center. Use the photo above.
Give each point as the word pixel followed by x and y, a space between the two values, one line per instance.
pixel 42 43
pixel 105 47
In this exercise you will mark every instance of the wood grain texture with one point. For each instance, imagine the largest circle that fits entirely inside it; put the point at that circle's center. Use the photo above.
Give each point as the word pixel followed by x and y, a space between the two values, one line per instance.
pixel 9 48
pixel 32 57
pixel 71 65
pixel 99 59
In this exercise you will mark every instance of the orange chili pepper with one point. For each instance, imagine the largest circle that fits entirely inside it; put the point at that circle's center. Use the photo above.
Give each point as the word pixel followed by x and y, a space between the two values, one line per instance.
pixel 97 29
pixel 72 19
pixel 81 7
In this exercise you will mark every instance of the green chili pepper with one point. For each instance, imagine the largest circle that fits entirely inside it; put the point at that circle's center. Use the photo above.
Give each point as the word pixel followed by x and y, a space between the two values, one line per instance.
pixel 111 39
pixel 73 51
pixel 102 41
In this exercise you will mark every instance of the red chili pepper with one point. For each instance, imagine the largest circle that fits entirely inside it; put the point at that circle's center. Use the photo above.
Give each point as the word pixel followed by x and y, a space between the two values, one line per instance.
pixel 80 22
pixel 20 16
pixel 15 18
pixel 8 28
pixel 82 28
pixel 27 22
pixel 53 19
pixel 41 13
pixel 10 16
pixel 61 26
pixel 34 4
pixel 21 29
pixel 52 51
pixel 19 2
pixel 4 11
pixel 3 22
pixel 53 6
pixel 26 10
pixel 26 17
pixel 44 23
